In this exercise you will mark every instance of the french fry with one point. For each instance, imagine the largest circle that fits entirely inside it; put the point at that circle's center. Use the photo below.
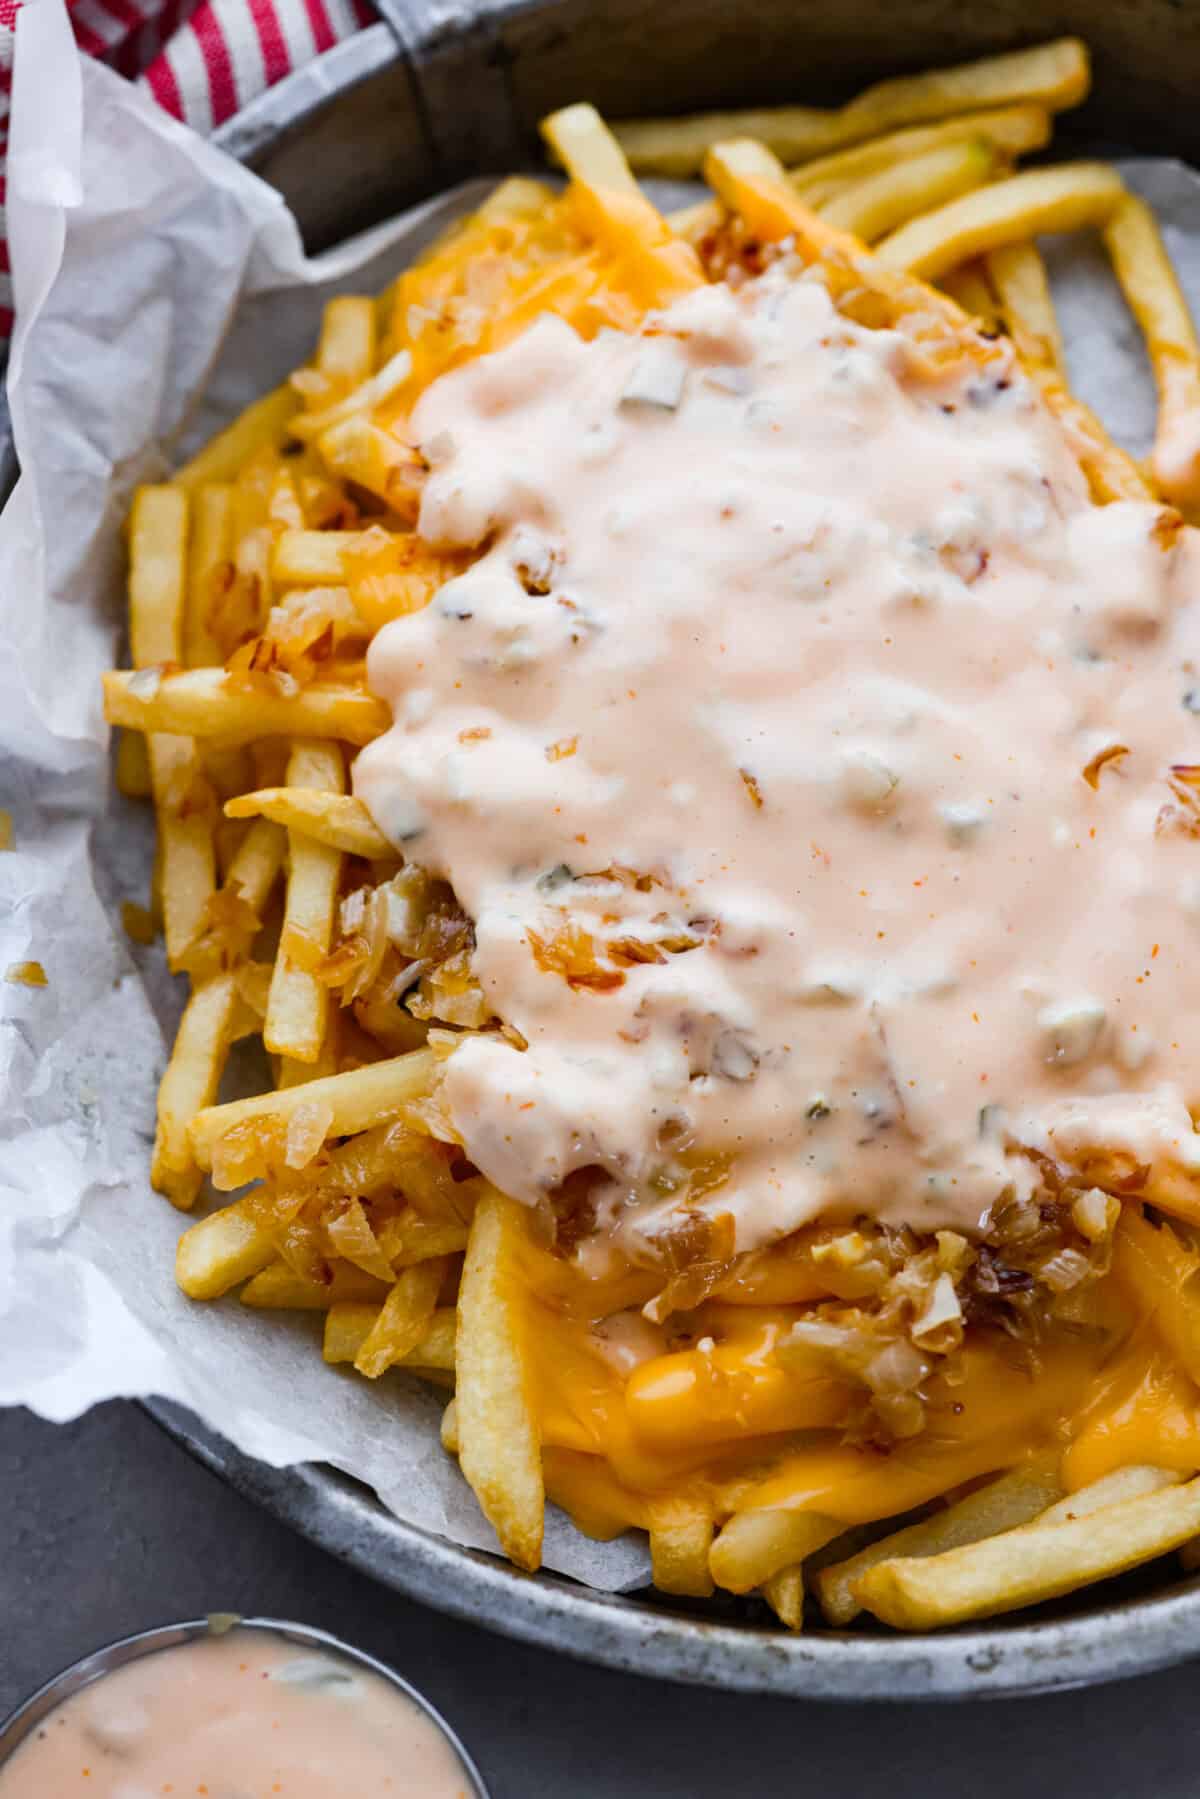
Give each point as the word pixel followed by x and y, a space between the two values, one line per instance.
pixel 1053 76
pixel 278 1288
pixel 968 287
pixel 200 703
pixel 158 537
pixel 349 1324
pixel 1018 276
pixel 291 1073
pixel 132 771
pixel 1033 1563
pixel 355 449
pixel 756 1544
pixel 1026 205
pixel 210 572
pixel 298 1006
pixel 346 347
pixel 359 402
pixel 1123 1483
pixel 497 1427
pixel 337 820
pixel 262 426
pixel 190 1083
pixel 1010 131
pixel 1154 296
pixel 681 1535
pixel 358 1099
pixel 1013 1499
pixel 581 141
pixel 226 1247
pixel 449 1431
pixel 313 558
pixel 872 208
pixel 403 1319
pixel 658 266
pixel 784 1593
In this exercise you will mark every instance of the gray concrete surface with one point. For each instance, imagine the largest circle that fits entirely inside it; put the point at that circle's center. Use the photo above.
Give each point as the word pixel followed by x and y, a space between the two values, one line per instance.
pixel 106 1527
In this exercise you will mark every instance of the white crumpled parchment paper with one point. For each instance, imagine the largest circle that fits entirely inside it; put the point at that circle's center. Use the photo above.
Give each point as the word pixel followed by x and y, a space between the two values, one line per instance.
pixel 148 266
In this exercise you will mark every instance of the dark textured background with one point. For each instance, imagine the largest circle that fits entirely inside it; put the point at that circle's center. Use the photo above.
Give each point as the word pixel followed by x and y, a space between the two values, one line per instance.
pixel 106 1527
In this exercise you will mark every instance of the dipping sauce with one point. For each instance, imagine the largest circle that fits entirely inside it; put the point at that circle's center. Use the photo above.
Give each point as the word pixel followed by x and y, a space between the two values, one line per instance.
pixel 819 765
pixel 247 1715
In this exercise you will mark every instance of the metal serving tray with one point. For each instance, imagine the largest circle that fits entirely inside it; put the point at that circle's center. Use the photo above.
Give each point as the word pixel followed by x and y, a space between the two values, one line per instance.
pixel 445 90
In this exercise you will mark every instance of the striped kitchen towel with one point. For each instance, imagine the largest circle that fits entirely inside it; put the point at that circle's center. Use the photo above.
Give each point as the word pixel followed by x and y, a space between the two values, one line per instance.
pixel 201 59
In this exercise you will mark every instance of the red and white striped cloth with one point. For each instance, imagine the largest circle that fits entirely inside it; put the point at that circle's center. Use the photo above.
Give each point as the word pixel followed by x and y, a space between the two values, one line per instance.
pixel 203 60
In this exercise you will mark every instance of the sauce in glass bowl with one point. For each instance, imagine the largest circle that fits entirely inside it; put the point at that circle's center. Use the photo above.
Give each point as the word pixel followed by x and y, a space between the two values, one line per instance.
pixel 245 1713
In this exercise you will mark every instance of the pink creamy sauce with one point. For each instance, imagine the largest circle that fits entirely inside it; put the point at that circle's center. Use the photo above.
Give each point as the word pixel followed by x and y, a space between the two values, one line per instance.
pixel 243 1716
pixel 822 648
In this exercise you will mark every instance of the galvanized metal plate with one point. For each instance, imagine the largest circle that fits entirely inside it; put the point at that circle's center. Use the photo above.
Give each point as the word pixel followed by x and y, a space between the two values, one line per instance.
pixel 380 122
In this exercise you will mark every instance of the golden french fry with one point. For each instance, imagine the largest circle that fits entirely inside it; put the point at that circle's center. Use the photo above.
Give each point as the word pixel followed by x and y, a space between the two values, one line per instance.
pixel 278 1288
pixel 337 820
pixel 262 426
pixel 1035 1562
pixel 658 266
pixel 291 1073
pixel 158 540
pixel 132 772
pixel 349 1326
pixel 357 450
pixel 499 1448
pixel 1013 1499
pixel 449 1431
pixel 882 202
pixel 784 1593
pixel 200 703
pixel 190 1083
pixel 298 1006
pixel 1011 131
pixel 968 287
pixel 253 532
pixel 1026 205
pixel 357 1099
pixel 587 149
pixel 403 1319
pixel 1154 296
pixel 1054 75
pixel 313 558
pixel 210 572
pixel 681 1536
pixel 346 347
pixel 258 861
pixel 1018 276
pixel 188 866
pixel 226 1247
pixel 754 1545
pixel 361 400
pixel 1110 1489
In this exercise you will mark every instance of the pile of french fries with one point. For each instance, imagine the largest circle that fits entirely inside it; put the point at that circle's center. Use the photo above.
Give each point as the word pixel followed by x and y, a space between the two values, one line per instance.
pixel 258 576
